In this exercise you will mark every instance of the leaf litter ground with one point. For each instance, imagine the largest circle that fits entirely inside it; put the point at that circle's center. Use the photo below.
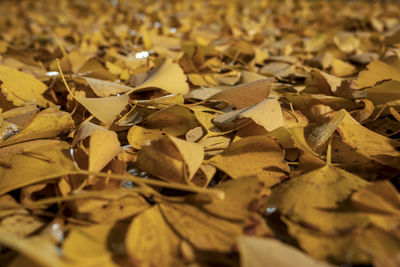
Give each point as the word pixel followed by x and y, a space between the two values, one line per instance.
pixel 202 133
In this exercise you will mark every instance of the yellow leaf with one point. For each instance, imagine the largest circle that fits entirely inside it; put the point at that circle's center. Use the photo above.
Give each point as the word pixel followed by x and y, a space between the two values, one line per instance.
pixel 139 136
pixel 105 109
pixel 168 76
pixel 21 88
pixel 41 249
pixel 246 94
pixel 203 231
pixel 381 201
pixel 46 124
pixel 369 144
pixel 105 88
pixel 92 246
pixel 247 157
pixel 175 120
pixel 304 198
pixel 387 92
pixel 171 159
pixel 259 252
pixel 232 207
pixel 355 247
pixel 267 113
pixel 377 71
pixel 104 146
pixel 32 162
pixel 321 82
pixel 341 68
pixel 151 242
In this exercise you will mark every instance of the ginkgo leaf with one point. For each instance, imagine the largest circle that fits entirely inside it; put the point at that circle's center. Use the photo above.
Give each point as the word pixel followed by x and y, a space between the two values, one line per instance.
pixel 291 137
pixel 171 158
pixel 104 146
pixel 86 130
pixel 9 206
pixel 381 201
pixel 139 136
pixel 258 156
pixel 32 162
pixel 151 241
pixel 90 246
pixel 22 225
pixel 175 120
pixel 387 92
pixel 21 88
pixel 46 124
pixel 267 113
pixel 202 230
pixel 369 144
pixel 106 109
pixel 20 116
pixel 377 71
pixel 232 207
pixel 168 76
pixel 257 252
pixel 104 88
pixel 378 197
pixel 356 247
pixel 41 249
pixel 325 188
pixel 321 82
pixel 341 68
pixel 246 94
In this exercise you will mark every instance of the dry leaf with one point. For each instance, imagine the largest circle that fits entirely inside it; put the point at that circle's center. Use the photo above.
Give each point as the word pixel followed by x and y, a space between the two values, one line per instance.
pixel 246 158
pixel 21 88
pixel 256 252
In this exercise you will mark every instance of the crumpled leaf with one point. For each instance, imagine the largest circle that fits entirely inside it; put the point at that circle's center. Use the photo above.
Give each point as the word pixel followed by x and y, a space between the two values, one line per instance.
pixel 21 88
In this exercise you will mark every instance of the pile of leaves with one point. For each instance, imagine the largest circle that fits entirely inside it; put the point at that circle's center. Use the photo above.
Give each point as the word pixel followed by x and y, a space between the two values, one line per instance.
pixel 204 133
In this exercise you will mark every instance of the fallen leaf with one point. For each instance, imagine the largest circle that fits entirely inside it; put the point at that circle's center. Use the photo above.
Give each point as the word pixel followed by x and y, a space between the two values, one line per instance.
pixel 150 232
pixel 244 95
pixel 21 88
pixel 104 146
pixel 377 71
pixel 172 159
pixel 32 162
pixel 256 252
pixel 246 158
pixel 168 76
pixel 46 124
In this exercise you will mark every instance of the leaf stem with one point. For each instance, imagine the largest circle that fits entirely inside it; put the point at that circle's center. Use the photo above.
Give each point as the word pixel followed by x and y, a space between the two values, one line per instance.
pixel 153 182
